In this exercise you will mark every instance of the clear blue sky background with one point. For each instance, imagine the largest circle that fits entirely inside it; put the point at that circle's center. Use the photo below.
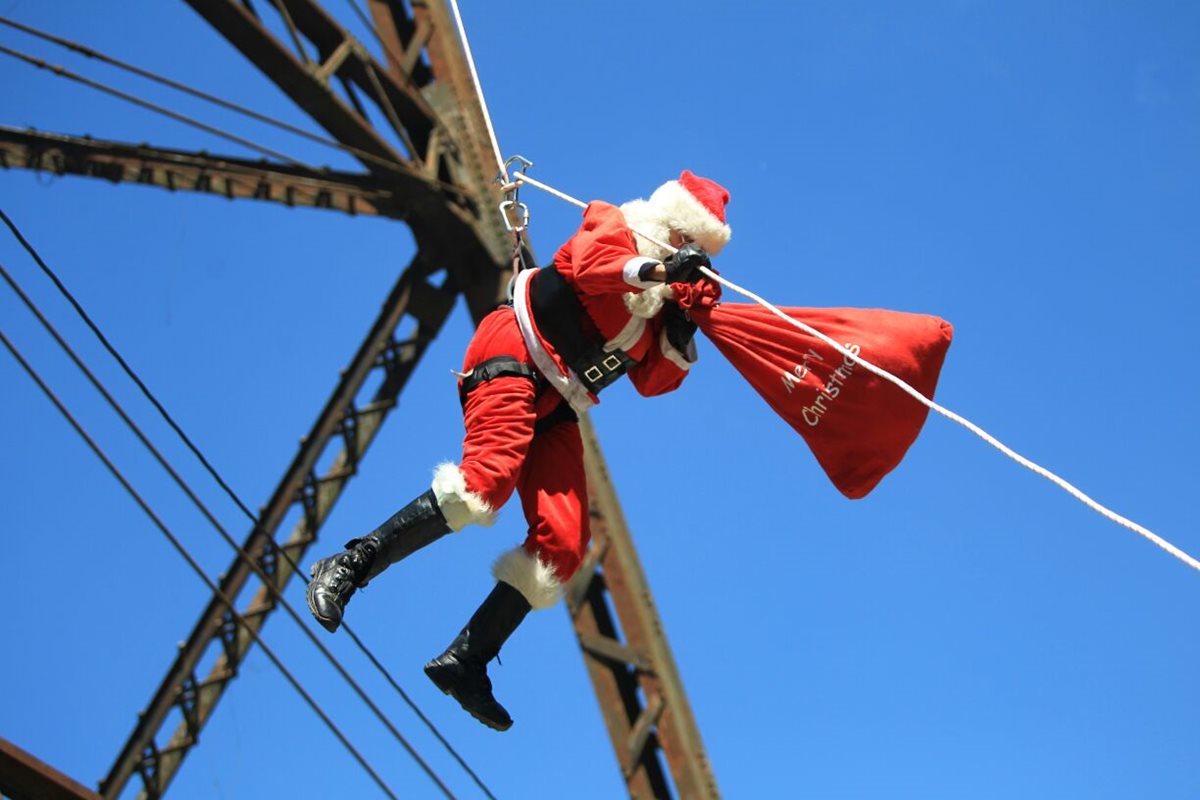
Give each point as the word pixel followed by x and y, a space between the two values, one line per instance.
pixel 1030 171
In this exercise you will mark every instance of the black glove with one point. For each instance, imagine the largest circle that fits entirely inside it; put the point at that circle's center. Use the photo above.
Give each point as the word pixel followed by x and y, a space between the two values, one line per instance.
pixel 678 326
pixel 683 266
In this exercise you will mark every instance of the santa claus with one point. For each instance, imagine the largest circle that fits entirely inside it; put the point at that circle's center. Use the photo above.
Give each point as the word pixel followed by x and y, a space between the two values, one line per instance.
pixel 602 310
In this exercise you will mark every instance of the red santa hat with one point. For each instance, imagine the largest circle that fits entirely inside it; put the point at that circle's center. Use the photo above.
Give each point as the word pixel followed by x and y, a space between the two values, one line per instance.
pixel 692 205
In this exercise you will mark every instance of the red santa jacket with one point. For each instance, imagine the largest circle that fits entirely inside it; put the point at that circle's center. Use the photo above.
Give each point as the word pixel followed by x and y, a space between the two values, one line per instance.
pixel 602 265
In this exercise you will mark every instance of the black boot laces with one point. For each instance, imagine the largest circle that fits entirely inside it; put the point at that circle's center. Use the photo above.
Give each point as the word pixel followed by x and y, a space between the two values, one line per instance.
pixel 350 570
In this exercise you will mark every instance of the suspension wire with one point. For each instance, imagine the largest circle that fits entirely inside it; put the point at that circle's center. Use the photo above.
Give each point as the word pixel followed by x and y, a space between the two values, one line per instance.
pixel 202 95
pixel 212 471
pixel 487 117
pixel 291 26
pixel 187 556
pixel 1032 466
pixel 369 24
pixel 398 58
pixel 195 123
pixel 251 562
pixel 389 110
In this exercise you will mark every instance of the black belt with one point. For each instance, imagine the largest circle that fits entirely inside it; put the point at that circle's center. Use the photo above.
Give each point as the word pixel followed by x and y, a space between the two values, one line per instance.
pixel 559 314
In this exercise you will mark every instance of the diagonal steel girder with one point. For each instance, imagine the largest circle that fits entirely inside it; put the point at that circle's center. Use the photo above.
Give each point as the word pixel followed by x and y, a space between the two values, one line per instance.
pixel 306 86
pixel 637 684
pixel 183 692
pixel 624 647
pixel 454 203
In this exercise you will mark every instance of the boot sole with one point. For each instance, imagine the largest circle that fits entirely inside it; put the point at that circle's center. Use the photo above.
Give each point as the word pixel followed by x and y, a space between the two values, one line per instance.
pixel 448 690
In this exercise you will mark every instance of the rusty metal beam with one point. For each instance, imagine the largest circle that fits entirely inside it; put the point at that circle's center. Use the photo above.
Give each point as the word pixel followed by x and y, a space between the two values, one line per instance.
pixel 179 170
pixel 451 207
pixel 651 727
pixel 460 108
pixel 237 24
pixel 403 40
pixel 449 62
pixel 417 119
pixel 182 690
pixel 612 586
pixel 24 777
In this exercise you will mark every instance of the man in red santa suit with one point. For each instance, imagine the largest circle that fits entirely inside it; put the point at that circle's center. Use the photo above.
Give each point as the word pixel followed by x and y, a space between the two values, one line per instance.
pixel 602 310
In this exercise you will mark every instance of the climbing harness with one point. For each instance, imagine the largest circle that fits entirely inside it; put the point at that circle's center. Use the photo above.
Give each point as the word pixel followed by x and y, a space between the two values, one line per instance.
pixel 522 177
pixel 497 367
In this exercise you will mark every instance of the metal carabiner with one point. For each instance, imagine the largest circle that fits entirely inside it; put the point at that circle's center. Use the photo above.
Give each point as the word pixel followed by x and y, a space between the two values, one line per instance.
pixel 507 217
pixel 503 178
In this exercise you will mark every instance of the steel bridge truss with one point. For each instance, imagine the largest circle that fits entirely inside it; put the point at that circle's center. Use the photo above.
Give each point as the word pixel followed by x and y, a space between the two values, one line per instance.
pixel 429 167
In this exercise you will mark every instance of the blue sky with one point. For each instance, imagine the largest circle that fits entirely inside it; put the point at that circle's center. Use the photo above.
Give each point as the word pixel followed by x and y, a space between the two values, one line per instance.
pixel 1028 171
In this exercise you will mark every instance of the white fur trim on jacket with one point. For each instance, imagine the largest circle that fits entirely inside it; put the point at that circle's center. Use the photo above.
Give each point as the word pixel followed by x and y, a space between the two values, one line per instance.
pixel 568 384
pixel 530 576
pixel 459 506
pixel 649 220
pixel 648 303
pixel 629 335
pixel 632 271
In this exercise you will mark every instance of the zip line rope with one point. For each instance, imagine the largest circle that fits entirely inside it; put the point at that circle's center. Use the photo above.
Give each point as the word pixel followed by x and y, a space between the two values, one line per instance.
pixel 487 117
pixel 187 556
pixel 212 471
pixel 274 590
pixel 909 390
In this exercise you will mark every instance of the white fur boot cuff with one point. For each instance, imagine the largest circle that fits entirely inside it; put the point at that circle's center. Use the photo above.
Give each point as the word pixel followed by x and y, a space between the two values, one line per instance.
pixel 530 576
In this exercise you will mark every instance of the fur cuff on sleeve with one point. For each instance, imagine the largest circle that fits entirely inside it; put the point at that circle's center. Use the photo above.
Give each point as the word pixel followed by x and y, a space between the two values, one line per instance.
pixel 459 506
pixel 648 303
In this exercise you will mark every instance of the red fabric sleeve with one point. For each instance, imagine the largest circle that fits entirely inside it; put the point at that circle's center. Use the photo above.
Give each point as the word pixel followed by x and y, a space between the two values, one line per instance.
pixel 595 257
pixel 499 417
pixel 656 373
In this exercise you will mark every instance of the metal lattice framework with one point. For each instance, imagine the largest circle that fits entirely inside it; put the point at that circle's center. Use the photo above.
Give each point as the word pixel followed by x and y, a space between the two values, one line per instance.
pixel 430 169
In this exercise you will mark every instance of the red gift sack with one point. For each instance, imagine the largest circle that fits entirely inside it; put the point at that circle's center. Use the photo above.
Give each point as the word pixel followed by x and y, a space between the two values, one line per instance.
pixel 858 425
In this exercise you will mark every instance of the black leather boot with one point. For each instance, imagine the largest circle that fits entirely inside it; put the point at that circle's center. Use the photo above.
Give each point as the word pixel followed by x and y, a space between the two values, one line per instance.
pixel 461 671
pixel 335 578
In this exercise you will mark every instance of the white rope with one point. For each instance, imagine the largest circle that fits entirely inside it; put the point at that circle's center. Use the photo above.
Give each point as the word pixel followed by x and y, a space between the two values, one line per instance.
pixel 909 390
pixel 487 117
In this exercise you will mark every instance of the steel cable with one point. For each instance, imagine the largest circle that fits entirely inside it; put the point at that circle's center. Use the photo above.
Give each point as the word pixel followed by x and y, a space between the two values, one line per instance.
pixel 212 471
pixel 199 94
pixel 175 115
pixel 1032 466
pixel 187 556
pixel 251 562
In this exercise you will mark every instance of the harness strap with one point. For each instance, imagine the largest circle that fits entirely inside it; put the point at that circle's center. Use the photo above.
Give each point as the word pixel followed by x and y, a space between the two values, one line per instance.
pixel 561 317
pixel 498 367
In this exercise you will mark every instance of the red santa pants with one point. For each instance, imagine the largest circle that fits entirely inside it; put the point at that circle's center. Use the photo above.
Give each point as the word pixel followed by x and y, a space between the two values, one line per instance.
pixel 505 449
